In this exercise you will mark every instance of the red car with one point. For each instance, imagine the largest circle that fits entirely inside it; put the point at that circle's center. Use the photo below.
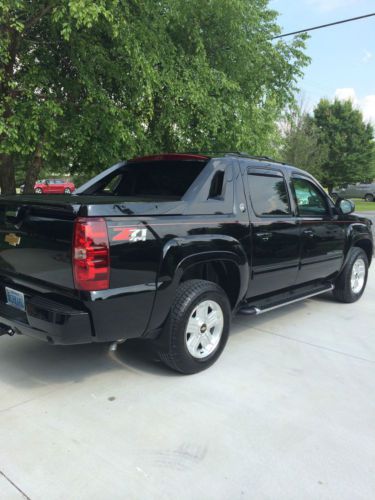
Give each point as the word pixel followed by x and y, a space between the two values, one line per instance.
pixel 54 186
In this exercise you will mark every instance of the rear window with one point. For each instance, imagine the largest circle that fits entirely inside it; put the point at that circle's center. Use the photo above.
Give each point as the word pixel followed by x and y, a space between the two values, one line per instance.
pixel 167 180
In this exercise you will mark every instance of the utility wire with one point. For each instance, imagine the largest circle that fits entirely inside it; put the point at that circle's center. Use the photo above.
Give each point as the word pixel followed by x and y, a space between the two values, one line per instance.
pixel 324 25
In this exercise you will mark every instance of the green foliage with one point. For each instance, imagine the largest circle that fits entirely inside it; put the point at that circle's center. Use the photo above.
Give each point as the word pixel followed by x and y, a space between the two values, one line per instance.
pixel 302 145
pixel 350 143
pixel 85 83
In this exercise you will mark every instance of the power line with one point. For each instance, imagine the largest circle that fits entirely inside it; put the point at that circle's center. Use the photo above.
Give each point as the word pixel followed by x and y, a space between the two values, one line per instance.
pixel 324 25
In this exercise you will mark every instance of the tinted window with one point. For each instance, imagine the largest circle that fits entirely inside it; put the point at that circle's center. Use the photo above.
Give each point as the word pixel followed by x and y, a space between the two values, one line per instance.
pixel 269 195
pixel 216 188
pixel 309 199
pixel 167 180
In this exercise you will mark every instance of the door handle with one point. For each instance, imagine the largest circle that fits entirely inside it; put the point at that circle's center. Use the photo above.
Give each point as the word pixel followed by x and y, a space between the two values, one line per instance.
pixel 309 233
pixel 264 236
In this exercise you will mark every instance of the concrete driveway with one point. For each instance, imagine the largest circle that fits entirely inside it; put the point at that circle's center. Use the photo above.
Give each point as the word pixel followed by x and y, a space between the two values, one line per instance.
pixel 288 412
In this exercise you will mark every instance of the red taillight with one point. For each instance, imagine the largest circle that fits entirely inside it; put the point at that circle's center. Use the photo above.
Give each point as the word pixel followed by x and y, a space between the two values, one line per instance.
pixel 91 265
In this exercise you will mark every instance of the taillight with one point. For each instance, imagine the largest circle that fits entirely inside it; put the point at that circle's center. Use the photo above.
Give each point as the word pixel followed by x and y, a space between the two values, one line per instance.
pixel 91 264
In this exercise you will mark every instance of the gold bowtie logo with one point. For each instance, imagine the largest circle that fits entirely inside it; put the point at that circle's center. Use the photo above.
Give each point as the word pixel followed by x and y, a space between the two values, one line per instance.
pixel 13 239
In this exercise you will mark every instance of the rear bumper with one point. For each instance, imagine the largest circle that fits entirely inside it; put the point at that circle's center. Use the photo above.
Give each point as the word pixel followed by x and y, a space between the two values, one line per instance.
pixel 57 318
pixel 48 320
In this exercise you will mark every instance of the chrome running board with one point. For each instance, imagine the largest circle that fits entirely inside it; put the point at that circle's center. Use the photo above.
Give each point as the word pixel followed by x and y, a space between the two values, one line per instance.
pixel 255 310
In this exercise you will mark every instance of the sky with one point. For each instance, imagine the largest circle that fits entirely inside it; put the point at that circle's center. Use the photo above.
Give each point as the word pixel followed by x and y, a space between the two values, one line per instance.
pixel 342 57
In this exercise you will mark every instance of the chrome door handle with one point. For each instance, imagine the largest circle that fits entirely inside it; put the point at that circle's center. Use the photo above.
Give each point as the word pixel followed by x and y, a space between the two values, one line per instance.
pixel 264 236
pixel 309 233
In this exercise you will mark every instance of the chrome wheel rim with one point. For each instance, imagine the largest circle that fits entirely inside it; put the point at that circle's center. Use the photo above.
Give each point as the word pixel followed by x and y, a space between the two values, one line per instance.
pixel 204 329
pixel 357 279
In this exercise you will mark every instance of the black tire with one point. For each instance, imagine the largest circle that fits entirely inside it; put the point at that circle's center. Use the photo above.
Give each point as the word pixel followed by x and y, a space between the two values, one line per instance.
pixel 67 191
pixel 38 191
pixel 172 345
pixel 369 197
pixel 343 291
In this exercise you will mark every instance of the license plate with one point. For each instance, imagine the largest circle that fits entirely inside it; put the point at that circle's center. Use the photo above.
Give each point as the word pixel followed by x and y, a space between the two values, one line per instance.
pixel 15 298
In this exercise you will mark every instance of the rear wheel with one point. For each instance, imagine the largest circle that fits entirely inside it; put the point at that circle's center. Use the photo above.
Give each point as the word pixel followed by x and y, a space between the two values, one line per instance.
pixel 197 328
pixel 351 283
pixel 67 191
pixel 369 197
pixel 38 191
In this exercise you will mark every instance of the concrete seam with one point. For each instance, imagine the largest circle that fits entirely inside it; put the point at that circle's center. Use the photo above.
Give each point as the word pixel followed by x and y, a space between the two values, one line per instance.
pixel 14 485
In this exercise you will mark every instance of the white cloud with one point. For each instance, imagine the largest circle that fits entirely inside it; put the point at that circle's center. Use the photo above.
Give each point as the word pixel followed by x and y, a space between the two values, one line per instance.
pixel 368 108
pixel 367 56
pixel 329 5
pixel 365 104
pixel 346 94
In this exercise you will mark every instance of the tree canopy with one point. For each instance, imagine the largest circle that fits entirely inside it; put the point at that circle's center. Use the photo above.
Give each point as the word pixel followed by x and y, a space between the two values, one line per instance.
pixel 302 143
pixel 83 84
pixel 334 143
pixel 349 140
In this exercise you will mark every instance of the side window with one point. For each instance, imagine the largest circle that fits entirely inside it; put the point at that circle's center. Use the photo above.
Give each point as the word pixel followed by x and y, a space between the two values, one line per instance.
pixel 268 195
pixel 309 199
pixel 112 184
pixel 216 188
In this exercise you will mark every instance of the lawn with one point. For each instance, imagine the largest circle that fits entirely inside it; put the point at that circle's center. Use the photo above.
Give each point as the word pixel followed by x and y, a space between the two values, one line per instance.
pixel 364 206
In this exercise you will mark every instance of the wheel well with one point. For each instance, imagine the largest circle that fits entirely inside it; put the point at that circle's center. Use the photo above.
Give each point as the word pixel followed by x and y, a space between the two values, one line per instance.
pixel 366 245
pixel 224 273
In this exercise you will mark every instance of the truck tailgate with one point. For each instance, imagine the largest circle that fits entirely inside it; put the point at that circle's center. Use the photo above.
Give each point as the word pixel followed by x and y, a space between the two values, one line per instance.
pixel 36 239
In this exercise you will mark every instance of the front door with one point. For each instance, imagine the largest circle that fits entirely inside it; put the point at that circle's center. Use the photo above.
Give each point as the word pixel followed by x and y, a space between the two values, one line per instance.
pixel 275 232
pixel 322 234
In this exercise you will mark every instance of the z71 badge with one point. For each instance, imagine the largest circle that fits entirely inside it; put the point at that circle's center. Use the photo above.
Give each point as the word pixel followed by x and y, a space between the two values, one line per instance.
pixel 129 234
pixel 13 239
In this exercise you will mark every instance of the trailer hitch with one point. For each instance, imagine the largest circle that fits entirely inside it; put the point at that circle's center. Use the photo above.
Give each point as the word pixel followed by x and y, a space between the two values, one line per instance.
pixel 6 330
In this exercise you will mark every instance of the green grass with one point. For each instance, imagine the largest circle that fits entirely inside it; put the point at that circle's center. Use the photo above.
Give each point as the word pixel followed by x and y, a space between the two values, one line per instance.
pixel 364 206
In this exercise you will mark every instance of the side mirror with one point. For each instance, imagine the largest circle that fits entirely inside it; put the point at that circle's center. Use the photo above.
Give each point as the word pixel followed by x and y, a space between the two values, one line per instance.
pixel 346 206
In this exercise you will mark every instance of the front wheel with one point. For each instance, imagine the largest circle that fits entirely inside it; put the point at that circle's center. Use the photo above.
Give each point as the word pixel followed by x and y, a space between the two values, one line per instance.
pixel 369 197
pixel 351 283
pixel 67 191
pixel 38 191
pixel 197 328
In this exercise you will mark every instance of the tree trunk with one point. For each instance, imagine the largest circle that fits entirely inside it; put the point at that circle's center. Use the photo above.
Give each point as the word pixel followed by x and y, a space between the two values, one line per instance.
pixel 7 174
pixel 330 188
pixel 33 170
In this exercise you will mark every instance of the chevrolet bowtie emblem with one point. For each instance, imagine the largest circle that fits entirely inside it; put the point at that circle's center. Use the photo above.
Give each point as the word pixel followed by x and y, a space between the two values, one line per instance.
pixel 13 239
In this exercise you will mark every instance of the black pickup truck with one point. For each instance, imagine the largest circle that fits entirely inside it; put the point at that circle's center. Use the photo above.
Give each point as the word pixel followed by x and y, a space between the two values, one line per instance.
pixel 167 248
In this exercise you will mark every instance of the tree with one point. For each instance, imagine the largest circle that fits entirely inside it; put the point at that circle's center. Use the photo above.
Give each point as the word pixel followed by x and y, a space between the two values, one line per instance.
pixel 32 96
pixel 350 143
pixel 85 83
pixel 302 145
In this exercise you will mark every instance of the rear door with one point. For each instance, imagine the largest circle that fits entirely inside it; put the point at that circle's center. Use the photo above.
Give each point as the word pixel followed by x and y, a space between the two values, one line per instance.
pixel 275 232
pixel 322 234
pixel 54 186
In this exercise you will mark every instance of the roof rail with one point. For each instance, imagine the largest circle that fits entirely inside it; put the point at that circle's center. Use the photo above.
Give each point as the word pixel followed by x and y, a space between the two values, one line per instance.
pixel 254 157
pixel 232 153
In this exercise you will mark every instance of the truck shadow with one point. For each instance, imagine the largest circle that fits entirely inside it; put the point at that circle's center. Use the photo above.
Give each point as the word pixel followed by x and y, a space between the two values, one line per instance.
pixel 28 363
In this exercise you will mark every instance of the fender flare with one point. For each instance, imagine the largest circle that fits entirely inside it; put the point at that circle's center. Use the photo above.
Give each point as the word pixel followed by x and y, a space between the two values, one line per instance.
pixel 179 254
pixel 353 237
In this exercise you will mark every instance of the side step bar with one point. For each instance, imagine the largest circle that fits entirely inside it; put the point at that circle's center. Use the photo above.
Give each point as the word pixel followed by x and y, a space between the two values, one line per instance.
pixel 256 309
